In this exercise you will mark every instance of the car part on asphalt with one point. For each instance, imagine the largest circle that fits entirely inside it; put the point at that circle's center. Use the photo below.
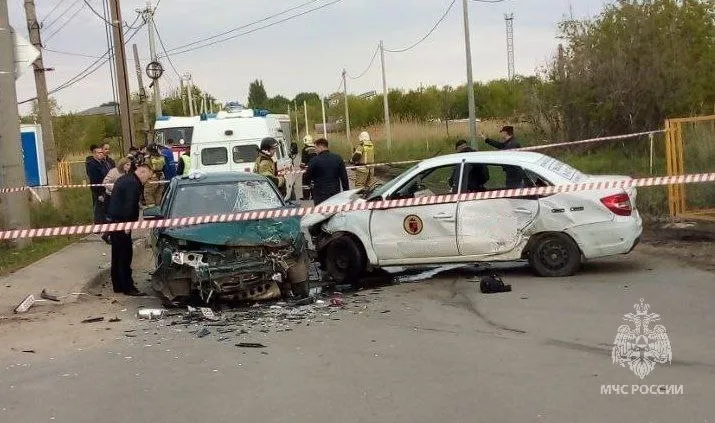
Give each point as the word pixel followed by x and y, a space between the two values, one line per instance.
pixel 493 284
pixel 150 313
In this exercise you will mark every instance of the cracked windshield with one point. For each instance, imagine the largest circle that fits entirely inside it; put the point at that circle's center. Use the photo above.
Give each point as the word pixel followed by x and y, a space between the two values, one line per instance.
pixel 357 210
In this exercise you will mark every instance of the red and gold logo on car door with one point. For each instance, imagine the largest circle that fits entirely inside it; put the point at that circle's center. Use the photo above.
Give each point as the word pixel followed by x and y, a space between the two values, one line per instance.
pixel 412 224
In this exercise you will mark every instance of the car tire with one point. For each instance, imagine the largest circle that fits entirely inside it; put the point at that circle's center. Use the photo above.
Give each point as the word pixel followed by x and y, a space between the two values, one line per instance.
pixel 555 255
pixel 345 260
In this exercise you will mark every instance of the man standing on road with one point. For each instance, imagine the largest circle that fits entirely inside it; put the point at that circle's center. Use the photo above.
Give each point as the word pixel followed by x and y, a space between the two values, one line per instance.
pixel 184 166
pixel 169 162
pixel 266 166
pixel 106 150
pixel 154 190
pixel 327 173
pixel 508 142
pixel 364 154
pixel 97 168
pixel 124 207
pixel 306 155
pixel 476 173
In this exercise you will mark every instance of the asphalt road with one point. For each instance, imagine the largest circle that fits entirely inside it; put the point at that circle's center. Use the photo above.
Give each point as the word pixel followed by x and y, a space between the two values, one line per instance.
pixel 436 350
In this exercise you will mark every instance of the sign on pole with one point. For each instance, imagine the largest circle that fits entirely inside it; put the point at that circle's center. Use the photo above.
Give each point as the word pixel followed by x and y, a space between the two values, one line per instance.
pixel 25 54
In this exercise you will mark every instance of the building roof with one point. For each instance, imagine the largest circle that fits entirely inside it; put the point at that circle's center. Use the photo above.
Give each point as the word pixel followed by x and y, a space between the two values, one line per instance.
pixel 109 110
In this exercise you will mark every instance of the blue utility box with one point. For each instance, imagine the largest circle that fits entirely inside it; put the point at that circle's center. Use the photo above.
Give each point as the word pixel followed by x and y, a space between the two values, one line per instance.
pixel 33 155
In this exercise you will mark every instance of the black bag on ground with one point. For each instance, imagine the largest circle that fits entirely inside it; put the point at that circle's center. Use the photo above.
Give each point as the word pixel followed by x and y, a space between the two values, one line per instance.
pixel 493 284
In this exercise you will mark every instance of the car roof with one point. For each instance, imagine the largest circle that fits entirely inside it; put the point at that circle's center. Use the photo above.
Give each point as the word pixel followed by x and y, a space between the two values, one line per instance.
pixel 221 177
pixel 501 157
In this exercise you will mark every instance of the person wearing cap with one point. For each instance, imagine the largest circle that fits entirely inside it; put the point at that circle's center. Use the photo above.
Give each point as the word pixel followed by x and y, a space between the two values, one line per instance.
pixel 508 142
pixel 514 174
pixel 266 166
pixel 306 155
pixel 364 154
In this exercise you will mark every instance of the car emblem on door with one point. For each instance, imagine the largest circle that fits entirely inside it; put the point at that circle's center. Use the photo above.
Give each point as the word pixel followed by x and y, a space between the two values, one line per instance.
pixel 412 224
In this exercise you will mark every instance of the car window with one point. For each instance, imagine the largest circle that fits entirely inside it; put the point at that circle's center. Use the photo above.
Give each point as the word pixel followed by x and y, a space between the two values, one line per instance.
pixel 536 179
pixel 245 153
pixel 435 181
pixel 494 177
pixel 379 190
pixel 214 156
pixel 222 198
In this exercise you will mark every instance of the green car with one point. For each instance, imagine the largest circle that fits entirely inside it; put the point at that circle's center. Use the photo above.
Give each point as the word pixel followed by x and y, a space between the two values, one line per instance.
pixel 245 260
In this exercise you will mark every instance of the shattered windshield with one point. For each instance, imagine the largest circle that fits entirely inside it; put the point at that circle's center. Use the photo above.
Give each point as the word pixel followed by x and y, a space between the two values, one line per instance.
pixel 221 198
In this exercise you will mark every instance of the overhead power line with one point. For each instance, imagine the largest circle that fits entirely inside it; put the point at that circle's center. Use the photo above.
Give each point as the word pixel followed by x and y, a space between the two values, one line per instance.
pixel 158 35
pixel 256 29
pixel 57 5
pixel 92 68
pixel 62 14
pixel 441 19
pixel 69 53
pixel 65 23
pixel 275 15
pixel 97 13
pixel 369 66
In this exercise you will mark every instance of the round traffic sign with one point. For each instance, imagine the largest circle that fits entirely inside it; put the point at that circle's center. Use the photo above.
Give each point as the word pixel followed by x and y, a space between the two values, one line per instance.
pixel 154 70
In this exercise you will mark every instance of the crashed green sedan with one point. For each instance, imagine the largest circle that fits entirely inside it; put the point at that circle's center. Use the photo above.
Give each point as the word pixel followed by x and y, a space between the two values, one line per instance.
pixel 246 260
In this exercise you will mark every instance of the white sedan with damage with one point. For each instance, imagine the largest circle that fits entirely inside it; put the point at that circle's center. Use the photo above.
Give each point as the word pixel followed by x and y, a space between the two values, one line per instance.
pixel 555 232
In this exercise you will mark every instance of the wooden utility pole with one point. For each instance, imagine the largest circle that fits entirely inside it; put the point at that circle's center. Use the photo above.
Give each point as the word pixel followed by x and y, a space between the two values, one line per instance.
pixel 14 208
pixel 43 102
pixel 120 64
pixel 142 95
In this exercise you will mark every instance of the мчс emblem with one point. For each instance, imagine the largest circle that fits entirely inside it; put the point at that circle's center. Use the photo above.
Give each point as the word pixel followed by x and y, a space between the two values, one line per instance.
pixel 412 224
pixel 639 346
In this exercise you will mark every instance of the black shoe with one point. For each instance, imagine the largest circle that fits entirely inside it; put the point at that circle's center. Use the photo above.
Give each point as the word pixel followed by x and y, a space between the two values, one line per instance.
pixel 135 293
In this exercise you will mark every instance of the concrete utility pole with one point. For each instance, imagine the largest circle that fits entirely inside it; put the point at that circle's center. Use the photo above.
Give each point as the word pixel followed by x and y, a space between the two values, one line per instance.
pixel 305 111
pixel 142 95
pixel 470 81
pixel 325 128
pixel 189 93
pixel 14 208
pixel 149 18
pixel 297 133
pixel 43 103
pixel 120 63
pixel 386 103
pixel 182 94
pixel 347 111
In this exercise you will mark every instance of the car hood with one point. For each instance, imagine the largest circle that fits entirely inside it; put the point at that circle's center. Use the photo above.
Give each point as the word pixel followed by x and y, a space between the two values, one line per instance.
pixel 344 197
pixel 266 232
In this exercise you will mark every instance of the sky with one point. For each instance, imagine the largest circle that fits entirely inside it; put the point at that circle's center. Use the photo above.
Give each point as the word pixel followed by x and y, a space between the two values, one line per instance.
pixel 307 53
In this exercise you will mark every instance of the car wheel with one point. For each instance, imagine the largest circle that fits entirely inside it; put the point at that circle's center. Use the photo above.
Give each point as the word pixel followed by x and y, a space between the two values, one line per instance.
pixel 555 255
pixel 345 260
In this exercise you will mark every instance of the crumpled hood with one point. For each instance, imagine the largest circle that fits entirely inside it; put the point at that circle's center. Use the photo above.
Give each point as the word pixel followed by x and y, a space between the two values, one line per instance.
pixel 267 232
pixel 344 197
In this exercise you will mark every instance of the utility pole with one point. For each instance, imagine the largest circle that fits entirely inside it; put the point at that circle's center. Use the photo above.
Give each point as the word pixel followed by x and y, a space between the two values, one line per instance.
pixel 470 81
pixel 347 111
pixel 189 93
pixel 149 18
pixel 181 93
pixel 386 103
pixel 509 19
pixel 120 63
pixel 14 208
pixel 297 134
pixel 142 95
pixel 305 110
pixel 43 103
pixel 325 128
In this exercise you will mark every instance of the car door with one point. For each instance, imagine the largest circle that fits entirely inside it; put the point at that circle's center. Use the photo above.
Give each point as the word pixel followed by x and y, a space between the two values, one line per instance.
pixel 412 234
pixel 491 227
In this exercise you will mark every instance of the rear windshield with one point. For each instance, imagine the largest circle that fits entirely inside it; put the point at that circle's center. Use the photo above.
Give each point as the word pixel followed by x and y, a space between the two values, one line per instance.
pixel 561 169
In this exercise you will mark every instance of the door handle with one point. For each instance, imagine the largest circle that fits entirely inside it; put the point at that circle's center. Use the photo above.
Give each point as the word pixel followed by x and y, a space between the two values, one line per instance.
pixel 443 215
pixel 523 211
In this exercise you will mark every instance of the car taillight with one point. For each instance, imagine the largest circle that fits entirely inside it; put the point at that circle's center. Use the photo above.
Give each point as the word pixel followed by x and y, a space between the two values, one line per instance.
pixel 619 204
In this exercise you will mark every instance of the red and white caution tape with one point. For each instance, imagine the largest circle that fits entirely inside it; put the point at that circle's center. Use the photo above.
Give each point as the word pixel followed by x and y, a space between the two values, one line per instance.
pixel 355 206
pixel 21 189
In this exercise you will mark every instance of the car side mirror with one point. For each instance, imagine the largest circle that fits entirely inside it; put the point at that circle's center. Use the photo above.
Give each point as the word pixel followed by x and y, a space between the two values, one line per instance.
pixel 151 213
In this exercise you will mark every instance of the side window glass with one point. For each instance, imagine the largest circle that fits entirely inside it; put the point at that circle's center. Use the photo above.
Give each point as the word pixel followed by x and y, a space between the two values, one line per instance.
pixel 494 177
pixel 214 156
pixel 436 181
pixel 536 180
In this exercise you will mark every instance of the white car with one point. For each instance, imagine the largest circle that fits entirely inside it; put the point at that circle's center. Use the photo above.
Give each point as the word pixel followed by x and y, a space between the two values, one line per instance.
pixel 553 232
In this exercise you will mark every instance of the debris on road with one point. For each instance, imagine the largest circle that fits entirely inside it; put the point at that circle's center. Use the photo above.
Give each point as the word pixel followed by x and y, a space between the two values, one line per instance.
pixel 150 313
pixel 93 320
pixel 202 332
pixel 29 351
pixel 44 294
pixel 250 345
pixel 115 319
pixel 25 304
pixel 493 284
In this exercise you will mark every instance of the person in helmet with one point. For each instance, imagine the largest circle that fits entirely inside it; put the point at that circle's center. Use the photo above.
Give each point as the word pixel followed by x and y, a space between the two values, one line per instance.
pixel 364 154
pixel 266 166
pixel 306 155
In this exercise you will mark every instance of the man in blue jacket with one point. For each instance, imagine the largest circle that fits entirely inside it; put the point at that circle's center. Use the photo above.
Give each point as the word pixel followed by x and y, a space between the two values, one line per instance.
pixel 170 167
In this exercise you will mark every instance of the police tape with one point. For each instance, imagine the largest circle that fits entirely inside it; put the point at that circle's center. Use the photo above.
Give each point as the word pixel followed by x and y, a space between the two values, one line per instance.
pixel 9 190
pixel 354 206
pixel 530 148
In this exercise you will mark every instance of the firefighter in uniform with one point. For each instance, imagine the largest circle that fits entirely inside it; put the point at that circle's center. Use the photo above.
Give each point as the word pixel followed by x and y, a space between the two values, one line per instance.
pixel 306 155
pixel 266 165
pixel 184 166
pixel 153 191
pixel 364 154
